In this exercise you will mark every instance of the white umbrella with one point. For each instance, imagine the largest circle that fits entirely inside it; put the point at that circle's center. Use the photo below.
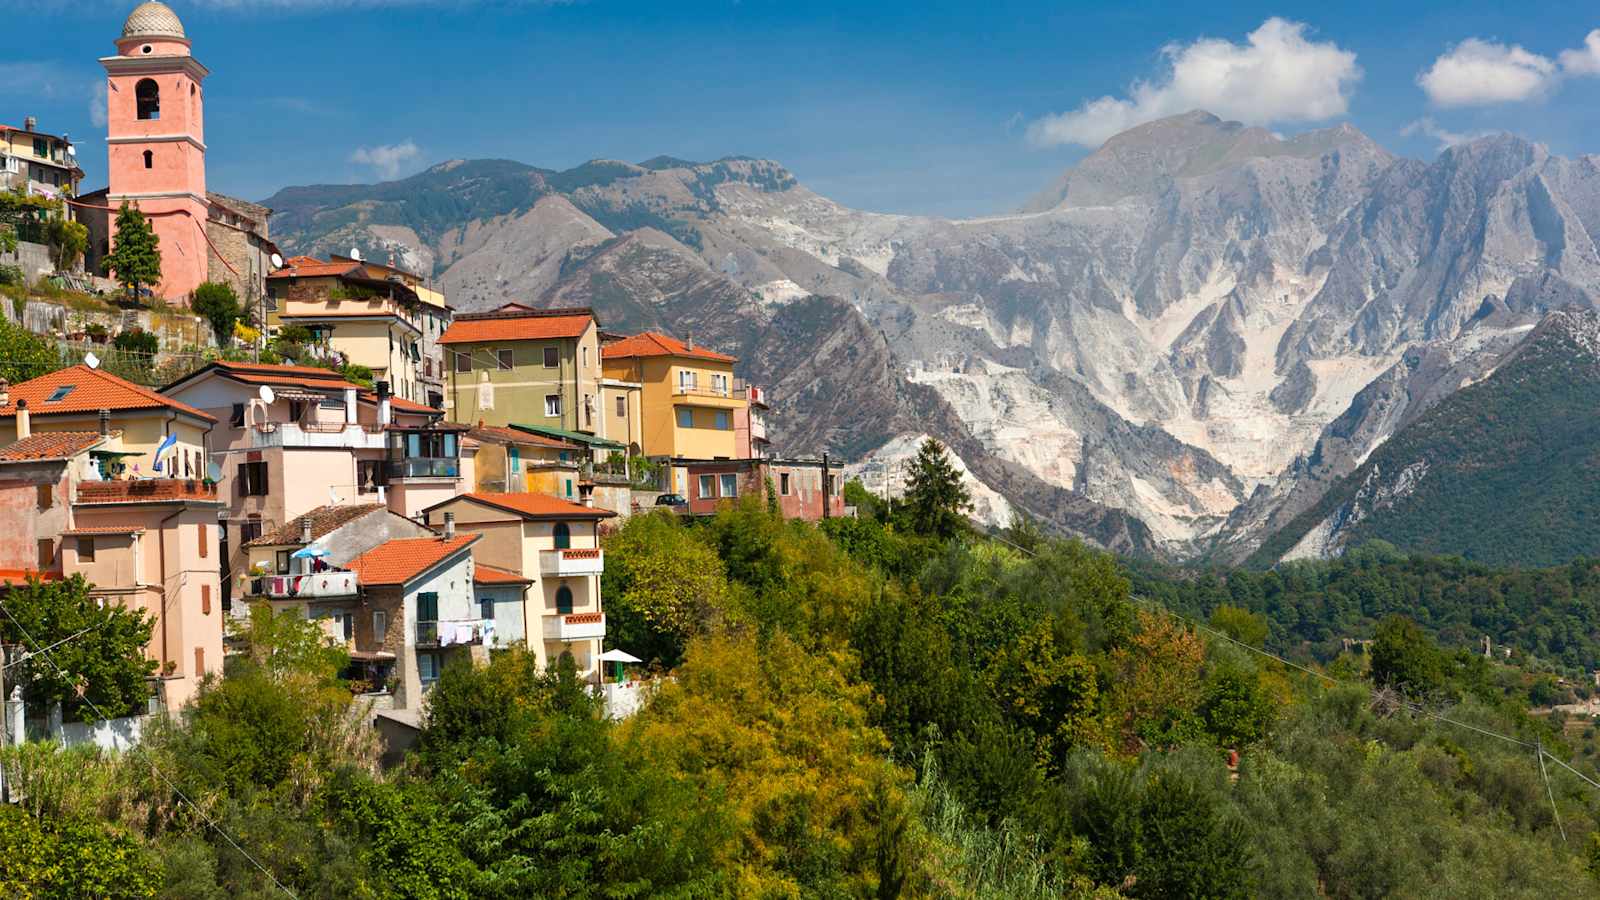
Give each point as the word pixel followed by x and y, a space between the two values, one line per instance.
pixel 621 656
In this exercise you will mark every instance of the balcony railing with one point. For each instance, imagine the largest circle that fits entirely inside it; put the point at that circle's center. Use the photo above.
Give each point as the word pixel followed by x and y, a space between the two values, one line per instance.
pixel 575 626
pixel 690 390
pixel 425 467
pixel 315 585
pixel 330 434
pixel 572 562
pixel 146 490
pixel 451 632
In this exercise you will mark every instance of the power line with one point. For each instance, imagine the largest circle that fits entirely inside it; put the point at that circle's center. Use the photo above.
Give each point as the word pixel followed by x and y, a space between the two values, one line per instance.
pixel 153 767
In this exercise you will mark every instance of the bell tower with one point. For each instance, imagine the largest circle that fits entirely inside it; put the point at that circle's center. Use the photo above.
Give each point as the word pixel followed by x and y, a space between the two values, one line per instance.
pixel 155 132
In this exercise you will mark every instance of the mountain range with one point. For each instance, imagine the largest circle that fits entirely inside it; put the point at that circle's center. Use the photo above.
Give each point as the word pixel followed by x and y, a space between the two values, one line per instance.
pixel 1177 349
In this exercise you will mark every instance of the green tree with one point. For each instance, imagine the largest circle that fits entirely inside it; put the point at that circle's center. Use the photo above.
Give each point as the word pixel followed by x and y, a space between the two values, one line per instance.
pixel 1234 708
pixel 1052 693
pixel 99 661
pixel 25 355
pixel 936 501
pixel 68 240
pixel 216 301
pixel 1240 624
pixel 662 585
pixel 69 859
pixel 1190 846
pixel 136 258
pixel 1404 657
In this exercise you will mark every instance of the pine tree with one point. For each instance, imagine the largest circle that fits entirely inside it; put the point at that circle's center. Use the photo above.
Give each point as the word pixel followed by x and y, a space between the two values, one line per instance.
pixel 137 257
pixel 936 501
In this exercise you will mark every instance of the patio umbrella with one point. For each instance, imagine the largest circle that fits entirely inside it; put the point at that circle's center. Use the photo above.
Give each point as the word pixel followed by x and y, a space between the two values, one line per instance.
pixel 619 657
pixel 309 551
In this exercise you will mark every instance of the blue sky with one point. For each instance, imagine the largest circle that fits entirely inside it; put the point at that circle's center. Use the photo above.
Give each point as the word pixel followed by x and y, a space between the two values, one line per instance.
pixel 944 108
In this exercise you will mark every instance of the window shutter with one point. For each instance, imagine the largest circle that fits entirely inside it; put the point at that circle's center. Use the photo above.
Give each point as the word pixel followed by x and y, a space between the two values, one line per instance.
pixel 200 530
pixel 205 599
pixel 199 661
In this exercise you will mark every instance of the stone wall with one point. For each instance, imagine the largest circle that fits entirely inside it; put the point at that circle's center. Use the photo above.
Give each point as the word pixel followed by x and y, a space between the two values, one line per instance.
pixel 33 258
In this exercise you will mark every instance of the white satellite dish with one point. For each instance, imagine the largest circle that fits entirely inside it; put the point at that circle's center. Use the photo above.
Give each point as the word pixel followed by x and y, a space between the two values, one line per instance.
pixel 355 253
pixel 277 261
pixel 90 360
pixel 266 395
pixel 213 471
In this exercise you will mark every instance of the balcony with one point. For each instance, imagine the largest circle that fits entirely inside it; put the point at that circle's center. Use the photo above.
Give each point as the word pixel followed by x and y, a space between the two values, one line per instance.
pixel 575 627
pixel 424 467
pixel 571 563
pixel 315 586
pixel 146 490
pixel 336 435
pixel 694 395
pixel 454 632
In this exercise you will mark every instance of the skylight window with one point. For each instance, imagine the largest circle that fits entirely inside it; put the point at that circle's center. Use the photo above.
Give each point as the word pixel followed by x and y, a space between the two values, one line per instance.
pixel 60 393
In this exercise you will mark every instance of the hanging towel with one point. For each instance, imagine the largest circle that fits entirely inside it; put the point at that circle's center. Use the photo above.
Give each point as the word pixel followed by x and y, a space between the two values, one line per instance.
pixel 463 634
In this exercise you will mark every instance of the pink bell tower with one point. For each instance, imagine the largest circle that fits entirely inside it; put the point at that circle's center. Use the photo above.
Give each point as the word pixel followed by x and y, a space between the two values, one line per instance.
pixel 155 129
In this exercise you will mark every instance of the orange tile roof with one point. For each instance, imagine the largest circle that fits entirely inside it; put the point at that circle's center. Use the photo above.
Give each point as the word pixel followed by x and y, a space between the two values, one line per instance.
pixel 654 343
pixel 515 322
pixel 311 267
pixel 264 373
pixel 50 445
pixel 483 573
pixel 400 404
pixel 323 519
pixel 513 436
pixel 403 559
pixel 20 576
pixel 92 389
pixel 532 506
pixel 105 529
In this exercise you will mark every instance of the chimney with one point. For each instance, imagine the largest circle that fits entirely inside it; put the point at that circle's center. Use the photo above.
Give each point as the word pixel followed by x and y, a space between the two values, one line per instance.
pixel 586 495
pixel 105 422
pixel 350 417
pixel 24 424
pixel 449 526
pixel 30 123
pixel 689 341
pixel 305 530
pixel 382 387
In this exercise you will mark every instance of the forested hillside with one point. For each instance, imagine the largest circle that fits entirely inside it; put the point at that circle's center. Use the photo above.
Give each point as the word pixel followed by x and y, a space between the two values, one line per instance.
pixel 888 706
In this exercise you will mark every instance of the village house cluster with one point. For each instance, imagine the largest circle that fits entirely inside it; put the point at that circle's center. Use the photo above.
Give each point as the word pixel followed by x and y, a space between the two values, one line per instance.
pixel 453 507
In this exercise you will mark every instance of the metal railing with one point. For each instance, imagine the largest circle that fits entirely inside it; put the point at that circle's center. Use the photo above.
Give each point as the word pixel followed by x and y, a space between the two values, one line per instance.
pixel 425 467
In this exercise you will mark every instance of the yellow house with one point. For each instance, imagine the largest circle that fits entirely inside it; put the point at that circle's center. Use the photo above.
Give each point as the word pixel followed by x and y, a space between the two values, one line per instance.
pixel 431 315
pixel 555 545
pixel 72 399
pixel 513 461
pixel 687 404
pixel 517 365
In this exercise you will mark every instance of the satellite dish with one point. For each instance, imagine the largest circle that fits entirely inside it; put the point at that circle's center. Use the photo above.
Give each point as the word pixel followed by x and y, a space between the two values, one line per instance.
pixel 355 253
pixel 90 360
pixel 213 471
pixel 277 261
pixel 266 395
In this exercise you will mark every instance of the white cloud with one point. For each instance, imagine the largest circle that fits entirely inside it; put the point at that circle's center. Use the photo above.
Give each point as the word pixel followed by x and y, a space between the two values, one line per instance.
pixel 386 159
pixel 1277 76
pixel 1586 59
pixel 1479 73
pixel 97 104
pixel 1428 128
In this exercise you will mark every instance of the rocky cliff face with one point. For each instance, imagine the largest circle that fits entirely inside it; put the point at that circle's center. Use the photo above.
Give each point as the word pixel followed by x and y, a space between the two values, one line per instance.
pixel 1178 346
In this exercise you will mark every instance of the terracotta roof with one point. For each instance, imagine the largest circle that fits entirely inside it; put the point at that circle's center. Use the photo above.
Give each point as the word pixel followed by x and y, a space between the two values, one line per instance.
pixel 532 506
pixel 502 434
pixel 50 445
pixel 487 574
pixel 91 390
pixel 323 520
pixel 400 404
pixel 264 373
pixel 19 576
pixel 403 559
pixel 515 322
pixel 311 267
pixel 653 343
pixel 105 529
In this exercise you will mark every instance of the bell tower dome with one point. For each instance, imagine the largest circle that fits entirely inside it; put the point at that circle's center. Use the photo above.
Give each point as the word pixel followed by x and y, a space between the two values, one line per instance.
pixel 155 133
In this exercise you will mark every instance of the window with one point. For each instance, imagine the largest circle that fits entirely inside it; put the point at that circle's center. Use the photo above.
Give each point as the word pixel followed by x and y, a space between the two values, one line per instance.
pixel 237 419
pixel 486 609
pixel 708 485
pixel 724 420
pixel 563 536
pixel 463 362
pixel 428 667
pixel 252 479
pixel 552 405
pixel 297 409
pixel 60 393
pixel 622 407
pixel 149 160
pixel 205 599
pixel 588 410
pixel 552 357
pixel 569 488
pixel 685 417
pixel 504 357
pixel 380 625
pixel 47 554
pixel 46 497
pixel 564 600
pixel 370 475
pixel 202 533
pixel 428 606
pixel 283 562
pixel 249 530
pixel 147 99
pixel 86 549
pixel 41 148
pixel 783 483
pixel 730 485
pixel 686 381
pixel 719 383
pixel 586 357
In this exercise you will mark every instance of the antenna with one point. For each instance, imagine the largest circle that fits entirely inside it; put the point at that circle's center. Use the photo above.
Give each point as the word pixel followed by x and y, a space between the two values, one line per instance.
pixel 277 261
pixel 90 360
pixel 266 395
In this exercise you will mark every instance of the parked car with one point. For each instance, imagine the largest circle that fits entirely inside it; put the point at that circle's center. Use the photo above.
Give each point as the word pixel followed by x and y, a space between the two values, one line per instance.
pixel 671 500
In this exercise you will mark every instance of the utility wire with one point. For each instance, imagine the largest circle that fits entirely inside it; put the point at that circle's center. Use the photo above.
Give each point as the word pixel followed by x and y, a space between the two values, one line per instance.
pixel 153 767
pixel 1550 792
pixel 32 653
